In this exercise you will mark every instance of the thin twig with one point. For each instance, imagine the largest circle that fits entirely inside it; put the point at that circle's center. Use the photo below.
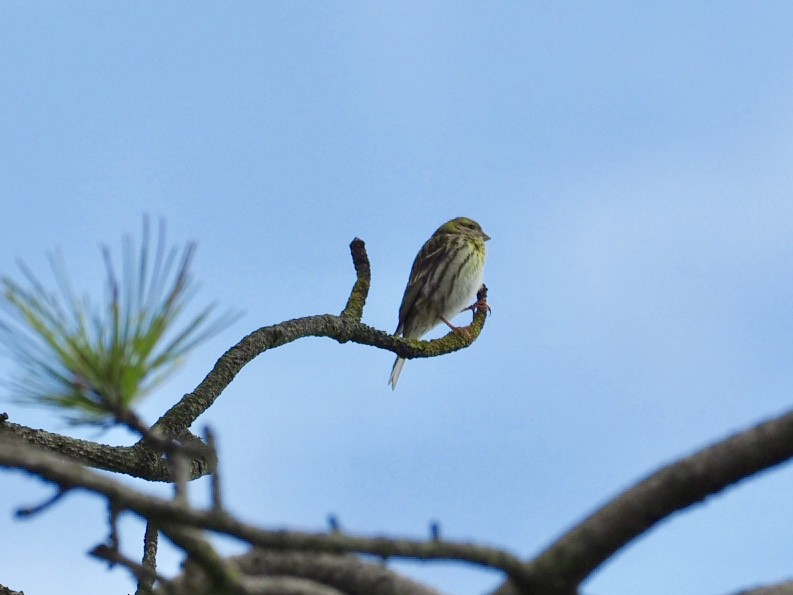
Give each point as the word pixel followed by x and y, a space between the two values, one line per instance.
pixel 150 539
pixel 33 510
pixel 216 495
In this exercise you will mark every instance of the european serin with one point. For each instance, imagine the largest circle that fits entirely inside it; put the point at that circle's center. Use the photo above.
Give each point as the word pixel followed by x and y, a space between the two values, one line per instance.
pixel 446 274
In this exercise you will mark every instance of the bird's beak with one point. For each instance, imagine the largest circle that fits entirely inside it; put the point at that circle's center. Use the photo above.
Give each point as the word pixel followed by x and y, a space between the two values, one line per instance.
pixel 485 236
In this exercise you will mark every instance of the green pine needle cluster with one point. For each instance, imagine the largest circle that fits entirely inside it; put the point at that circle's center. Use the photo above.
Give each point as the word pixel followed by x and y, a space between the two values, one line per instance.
pixel 94 363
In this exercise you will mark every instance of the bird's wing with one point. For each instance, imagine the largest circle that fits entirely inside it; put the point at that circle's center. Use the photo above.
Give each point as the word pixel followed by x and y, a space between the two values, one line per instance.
pixel 426 261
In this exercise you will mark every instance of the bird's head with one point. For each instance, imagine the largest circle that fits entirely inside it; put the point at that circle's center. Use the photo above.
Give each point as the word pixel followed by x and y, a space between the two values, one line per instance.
pixel 464 226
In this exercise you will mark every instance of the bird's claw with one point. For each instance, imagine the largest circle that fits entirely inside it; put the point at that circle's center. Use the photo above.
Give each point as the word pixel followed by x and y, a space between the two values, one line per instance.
pixel 478 305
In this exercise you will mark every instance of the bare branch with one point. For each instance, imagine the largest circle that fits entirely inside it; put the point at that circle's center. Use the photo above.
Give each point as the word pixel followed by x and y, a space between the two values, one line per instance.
pixel 182 415
pixel 65 474
pixel 138 461
pixel 575 555
pixel 149 563
pixel 360 291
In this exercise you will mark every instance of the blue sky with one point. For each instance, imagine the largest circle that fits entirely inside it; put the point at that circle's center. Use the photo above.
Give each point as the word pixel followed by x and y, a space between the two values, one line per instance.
pixel 631 161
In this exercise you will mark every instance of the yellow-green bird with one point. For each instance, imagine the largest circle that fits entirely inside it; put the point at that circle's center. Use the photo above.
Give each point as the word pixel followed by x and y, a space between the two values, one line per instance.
pixel 445 276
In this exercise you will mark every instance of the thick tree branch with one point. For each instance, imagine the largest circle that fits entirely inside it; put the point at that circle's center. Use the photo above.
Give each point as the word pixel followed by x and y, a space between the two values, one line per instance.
pixel 139 460
pixel 575 555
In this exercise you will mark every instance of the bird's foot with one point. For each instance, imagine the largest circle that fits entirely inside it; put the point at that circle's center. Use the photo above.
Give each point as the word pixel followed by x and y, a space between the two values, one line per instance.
pixel 460 330
pixel 479 305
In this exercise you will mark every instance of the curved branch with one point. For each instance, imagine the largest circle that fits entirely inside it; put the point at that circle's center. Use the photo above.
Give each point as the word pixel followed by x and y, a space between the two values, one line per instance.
pixel 343 328
pixel 575 555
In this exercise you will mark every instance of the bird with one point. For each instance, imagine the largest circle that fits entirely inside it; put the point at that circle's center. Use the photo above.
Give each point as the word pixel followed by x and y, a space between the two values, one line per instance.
pixel 445 276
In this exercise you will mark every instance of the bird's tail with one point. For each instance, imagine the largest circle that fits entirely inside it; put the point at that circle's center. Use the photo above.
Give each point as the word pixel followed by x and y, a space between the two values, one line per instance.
pixel 396 371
